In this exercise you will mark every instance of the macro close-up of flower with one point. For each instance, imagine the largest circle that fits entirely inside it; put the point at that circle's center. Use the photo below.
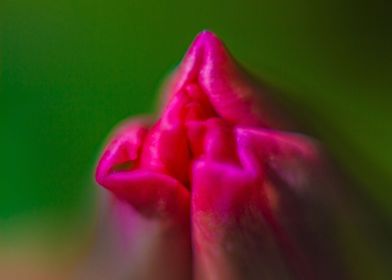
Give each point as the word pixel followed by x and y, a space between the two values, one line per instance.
pixel 209 140
pixel 231 191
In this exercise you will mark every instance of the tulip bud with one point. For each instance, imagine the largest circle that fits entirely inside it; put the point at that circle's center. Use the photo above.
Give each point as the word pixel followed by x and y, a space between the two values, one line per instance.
pixel 219 177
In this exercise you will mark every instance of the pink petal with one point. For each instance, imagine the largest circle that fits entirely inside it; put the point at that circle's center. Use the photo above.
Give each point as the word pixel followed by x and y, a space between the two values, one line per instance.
pixel 148 219
pixel 147 189
pixel 233 93
pixel 264 216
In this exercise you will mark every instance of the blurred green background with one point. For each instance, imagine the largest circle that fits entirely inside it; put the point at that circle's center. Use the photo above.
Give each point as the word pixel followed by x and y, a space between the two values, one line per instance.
pixel 71 70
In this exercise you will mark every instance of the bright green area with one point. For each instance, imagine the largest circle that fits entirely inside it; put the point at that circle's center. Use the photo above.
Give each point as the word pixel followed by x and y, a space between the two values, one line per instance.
pixel 71 70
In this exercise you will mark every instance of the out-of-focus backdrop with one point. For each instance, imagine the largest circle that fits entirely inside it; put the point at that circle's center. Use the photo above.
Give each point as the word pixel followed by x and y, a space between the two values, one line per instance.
pixel 71 70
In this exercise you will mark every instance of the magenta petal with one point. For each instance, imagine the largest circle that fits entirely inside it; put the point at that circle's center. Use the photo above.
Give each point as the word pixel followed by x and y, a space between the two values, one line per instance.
pixel 264 216
pixel 151 192
pixel 231 238
pixel 232 92
pixel 148 219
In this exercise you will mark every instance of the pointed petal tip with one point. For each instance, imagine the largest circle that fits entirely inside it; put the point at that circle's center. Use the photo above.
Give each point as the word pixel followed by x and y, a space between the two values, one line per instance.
pixel 206 35
pixel 209 40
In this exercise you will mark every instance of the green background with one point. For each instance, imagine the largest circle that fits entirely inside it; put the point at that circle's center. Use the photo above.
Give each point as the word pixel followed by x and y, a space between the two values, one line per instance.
pixel 71 70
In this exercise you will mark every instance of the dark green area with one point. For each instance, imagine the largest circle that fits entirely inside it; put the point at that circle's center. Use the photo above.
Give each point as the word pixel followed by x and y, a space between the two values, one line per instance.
pixel 71 70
